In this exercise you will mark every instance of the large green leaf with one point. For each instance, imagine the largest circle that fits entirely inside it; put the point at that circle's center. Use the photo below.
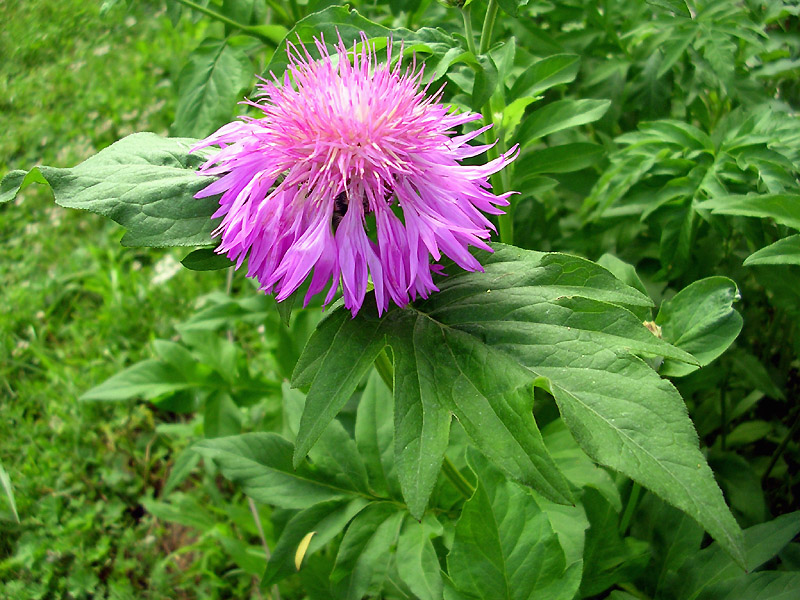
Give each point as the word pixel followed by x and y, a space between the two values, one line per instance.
pixel 209 87
pixel 474 348
pixel 784 208
pixel 144 182
pixel 782 252
pixel 262 464
pixel 504 546
pixel 701 320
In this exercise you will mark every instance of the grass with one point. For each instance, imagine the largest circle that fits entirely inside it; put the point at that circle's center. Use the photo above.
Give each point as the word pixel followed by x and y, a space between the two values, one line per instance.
pixel 75 77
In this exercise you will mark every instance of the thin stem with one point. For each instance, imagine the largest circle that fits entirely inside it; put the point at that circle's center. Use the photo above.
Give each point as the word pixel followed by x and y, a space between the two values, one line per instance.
pixel 230 22
pixel 275 593
pixel 488 26
pixel 633 499
pixel 723 413
pixel 468 33
pixel 781 447
pixel 457 479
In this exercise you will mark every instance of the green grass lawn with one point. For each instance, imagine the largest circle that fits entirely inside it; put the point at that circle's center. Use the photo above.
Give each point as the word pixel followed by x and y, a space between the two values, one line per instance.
pixel 74 77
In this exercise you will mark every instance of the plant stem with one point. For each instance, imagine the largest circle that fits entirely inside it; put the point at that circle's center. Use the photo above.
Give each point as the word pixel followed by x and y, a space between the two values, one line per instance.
pixel 468 33
pixel 275 593
pixel 781 447
pixel 457 479
pixel 488 26
pixel 230 22
pixel 633 499
pixel 386 370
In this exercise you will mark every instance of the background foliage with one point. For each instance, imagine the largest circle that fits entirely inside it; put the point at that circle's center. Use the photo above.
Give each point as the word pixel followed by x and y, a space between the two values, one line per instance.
pixel 659 139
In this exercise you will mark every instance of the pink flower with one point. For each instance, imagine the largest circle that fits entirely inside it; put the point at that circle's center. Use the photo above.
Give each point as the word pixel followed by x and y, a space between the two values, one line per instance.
pixel 351 173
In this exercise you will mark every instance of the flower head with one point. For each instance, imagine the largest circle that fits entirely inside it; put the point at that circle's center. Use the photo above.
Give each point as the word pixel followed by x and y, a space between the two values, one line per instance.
pixel 352 172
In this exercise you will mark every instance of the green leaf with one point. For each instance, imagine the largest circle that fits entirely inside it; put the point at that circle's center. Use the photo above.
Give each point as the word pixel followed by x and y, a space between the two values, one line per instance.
pixel 475 347
pixel 559 115
pixel 504 546
pixel 417 563
pixel 677 6
pixel 182 466
pixel 485 81
pixel 783 208
pixel 560 159
pixel 209 87
pixel 326 519
pixel 206 259
pixel 147 380
pixel 711 565
pixel 767 585
pixel 609 558
pixel 332 379
pixel 544 74
pixel 374 433
pixel 262 464
pixel 701 320
pixel 363 558
pixel 144 182
pixel 782 252
pixel 336 21
pixel 512 6
pixel 221 417
pixel 5 482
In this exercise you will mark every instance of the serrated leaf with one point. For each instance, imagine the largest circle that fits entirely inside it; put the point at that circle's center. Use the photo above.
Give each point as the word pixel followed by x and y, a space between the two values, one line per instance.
pixel 782 252
pixel 701 320
pixel 504 546
pixel 783 208
pixel 262 464
pixel 559 115
pixel 209 87
pixel 327 519
pixel 144 182
pixel 545 319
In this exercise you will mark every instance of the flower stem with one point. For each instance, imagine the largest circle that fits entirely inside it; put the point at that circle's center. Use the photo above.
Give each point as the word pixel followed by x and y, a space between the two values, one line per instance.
pixel 468 33
pixel 457 479
pixel 385 369
pixel 230 22
pixel 781 447
pixel 488 26
pixel 633 499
